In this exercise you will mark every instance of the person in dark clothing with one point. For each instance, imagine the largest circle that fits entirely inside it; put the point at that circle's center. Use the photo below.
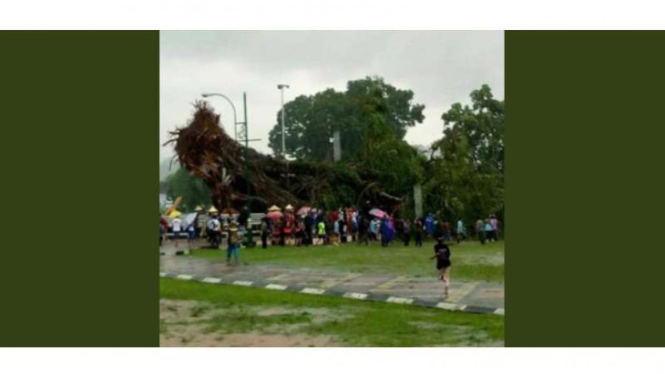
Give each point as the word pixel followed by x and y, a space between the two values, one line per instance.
pixel 282 233
pixel 399 228
pixel 384 232
pixel 442 255
pixel 265 231
pixel 406 232
pixel 342 229
pixel 309 222
pixel 419 232
pixel 363 227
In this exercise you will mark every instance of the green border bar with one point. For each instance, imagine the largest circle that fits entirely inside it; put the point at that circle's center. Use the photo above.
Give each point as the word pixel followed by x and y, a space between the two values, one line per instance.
pixel 80 117
pixel 585 188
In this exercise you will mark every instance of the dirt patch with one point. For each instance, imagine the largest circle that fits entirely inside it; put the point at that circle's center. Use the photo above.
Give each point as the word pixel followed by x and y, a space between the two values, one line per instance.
pixel 187 324
pixel 276 340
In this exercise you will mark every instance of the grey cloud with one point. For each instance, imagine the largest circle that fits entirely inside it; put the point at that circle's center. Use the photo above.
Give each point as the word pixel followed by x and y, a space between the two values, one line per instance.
pixel 441 67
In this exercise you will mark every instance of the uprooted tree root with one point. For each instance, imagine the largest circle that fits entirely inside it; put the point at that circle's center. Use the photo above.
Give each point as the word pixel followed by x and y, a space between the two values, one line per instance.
pixel 205 150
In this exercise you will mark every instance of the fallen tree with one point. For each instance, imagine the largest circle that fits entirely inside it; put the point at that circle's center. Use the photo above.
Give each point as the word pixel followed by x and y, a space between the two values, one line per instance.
pixel 205 150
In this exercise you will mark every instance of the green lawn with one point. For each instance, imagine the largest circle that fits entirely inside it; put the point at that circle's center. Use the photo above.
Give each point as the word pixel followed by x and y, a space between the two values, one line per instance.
pixel 471 261
pixel 221 310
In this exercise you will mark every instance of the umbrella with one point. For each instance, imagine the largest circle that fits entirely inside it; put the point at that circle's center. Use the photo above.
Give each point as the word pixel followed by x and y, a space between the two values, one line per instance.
pixel 274 208
pixel 274 214
pixel 304 210
pixel 378 213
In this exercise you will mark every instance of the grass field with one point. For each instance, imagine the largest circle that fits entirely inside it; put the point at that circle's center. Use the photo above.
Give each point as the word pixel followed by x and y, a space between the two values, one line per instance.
pixel 471 261
pixel 197 314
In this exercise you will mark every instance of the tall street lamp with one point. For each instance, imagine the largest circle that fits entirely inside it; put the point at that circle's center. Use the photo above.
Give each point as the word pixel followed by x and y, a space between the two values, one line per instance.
pixel 281 87
pixel 238 133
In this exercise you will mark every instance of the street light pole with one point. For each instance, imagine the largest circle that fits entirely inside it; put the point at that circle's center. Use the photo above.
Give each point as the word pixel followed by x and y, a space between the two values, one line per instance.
pixel 235 117
pixel 281 87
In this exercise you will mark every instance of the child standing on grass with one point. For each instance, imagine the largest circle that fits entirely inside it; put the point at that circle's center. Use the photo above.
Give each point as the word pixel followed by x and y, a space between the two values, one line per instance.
pixel 442 255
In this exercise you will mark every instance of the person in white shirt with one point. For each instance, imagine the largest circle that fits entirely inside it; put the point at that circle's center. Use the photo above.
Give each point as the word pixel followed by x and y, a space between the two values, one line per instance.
pixel 176 224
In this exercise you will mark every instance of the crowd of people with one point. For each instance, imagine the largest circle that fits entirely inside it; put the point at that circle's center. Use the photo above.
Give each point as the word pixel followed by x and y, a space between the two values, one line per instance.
pixel 320 227
pixel 309 226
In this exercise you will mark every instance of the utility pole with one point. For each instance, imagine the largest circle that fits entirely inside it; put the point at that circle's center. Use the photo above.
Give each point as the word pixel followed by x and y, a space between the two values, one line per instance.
pixel 281 87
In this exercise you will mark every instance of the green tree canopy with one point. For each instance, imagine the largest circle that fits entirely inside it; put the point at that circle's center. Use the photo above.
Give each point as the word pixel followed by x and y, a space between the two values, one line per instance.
pixel 466 178
pixel 194 190
pixel 368 108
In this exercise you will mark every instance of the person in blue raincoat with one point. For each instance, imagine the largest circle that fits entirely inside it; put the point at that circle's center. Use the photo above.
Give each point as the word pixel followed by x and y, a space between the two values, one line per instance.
pixel 429 225
pixel 385 232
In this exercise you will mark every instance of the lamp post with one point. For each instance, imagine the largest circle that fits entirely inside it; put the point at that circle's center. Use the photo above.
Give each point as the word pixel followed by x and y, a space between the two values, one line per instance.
pixel 281 87
pixel 235 116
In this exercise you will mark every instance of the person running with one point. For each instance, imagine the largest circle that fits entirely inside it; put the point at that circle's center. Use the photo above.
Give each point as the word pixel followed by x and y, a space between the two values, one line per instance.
pixel 233 244
pixel 419 232
pixel 176 224
pixel 461 231
pixel 480 231
pixel 406 232
pixel 442 255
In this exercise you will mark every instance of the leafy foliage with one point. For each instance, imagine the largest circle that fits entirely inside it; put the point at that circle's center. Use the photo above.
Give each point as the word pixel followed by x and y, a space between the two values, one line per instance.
pixel 368 107
pixel 467 178
pixel 194 190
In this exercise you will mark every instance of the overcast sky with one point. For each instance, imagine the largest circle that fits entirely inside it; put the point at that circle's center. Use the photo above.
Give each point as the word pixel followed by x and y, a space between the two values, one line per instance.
pixel 440 67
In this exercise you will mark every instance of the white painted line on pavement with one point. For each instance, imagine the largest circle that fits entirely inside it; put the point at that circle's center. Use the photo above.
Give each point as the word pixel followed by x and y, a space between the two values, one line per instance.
pixel 278 287
pixel 447 306
pixel 500 311
pixel 355 295
pixel 162 274
pixel 313 291
pixel 184 276
pixel 399 300
pixel 211 280
pixel 461 308
pixel 243 283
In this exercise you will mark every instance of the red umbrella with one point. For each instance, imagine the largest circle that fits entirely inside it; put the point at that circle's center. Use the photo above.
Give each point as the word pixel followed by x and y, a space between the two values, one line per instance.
pixel 304 210
pixel 378 213
pixel 274 215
